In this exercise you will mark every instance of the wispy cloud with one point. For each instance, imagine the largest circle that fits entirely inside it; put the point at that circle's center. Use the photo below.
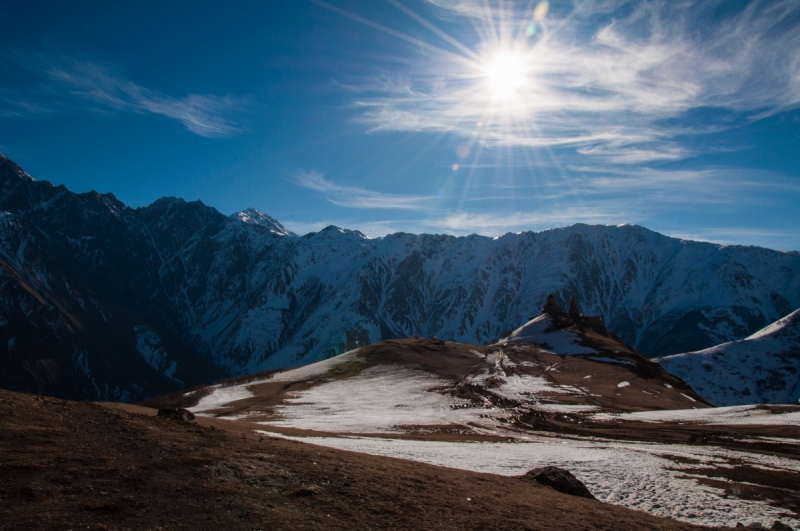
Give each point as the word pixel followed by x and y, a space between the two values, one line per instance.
pixel 354 197
pixel 496 223
pixel 461 223
pixel 68 81
pixel 604 77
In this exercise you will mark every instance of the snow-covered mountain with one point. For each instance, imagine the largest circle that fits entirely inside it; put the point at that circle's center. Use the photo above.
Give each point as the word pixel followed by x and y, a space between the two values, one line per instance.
pixel 100 300
pixel 762 368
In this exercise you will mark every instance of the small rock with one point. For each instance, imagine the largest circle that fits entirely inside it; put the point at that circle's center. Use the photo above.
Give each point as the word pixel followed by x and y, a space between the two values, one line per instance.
pixel 780 526
pixel 559 479
pixel 176 414
pixel 302 492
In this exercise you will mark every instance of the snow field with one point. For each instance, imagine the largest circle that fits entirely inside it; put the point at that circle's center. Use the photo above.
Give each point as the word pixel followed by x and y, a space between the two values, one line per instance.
pixel 524 387
pixel 720 415
pixel 221 396
pixel 379 400
pixel 633 475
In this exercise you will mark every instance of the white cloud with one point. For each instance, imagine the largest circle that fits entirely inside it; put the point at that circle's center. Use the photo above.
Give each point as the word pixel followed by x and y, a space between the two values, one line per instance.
pixel 497 223
pixel 354 197
pixel 605 85
pixel 103 86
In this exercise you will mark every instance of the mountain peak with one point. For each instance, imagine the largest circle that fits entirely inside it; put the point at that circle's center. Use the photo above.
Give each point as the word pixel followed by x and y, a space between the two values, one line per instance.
pixel 251 216
pixel 8 166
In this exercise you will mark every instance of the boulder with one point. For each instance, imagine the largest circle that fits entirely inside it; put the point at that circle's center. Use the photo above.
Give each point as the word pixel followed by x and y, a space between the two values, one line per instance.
pixel 559 479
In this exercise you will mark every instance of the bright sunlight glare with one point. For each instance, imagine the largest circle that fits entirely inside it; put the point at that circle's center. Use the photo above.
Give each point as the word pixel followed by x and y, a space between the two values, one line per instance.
pixel 506 74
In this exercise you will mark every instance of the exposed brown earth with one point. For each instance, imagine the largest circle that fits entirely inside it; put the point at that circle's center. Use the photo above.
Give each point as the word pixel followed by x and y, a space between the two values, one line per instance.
pixel 649 388
pixel 454 362
pixel 70 465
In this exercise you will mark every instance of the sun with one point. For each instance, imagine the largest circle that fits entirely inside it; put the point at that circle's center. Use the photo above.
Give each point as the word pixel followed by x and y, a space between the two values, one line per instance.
pixel 506 74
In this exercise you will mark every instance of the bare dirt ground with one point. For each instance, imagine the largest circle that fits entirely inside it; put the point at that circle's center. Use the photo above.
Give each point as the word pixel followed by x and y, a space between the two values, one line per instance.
pixel 594 383
pixel 70 465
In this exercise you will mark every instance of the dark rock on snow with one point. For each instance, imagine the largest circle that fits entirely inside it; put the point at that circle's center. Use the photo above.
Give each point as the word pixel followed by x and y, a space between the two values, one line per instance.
pixel 559 479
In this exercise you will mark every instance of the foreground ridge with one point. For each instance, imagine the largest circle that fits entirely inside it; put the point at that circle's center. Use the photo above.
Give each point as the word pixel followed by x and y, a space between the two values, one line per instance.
pixel 78 465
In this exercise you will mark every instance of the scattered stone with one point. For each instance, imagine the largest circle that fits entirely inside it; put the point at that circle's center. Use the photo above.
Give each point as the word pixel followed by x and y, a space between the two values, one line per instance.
pixel 559 479
pixel 302 492
pixel 780 526
pixel 176 414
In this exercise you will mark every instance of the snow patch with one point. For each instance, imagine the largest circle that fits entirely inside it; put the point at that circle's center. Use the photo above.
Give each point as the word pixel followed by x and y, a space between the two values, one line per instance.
pixel 539 331
pixel 221 397
pixel 315 369
pixel 381 399
pixel 733 415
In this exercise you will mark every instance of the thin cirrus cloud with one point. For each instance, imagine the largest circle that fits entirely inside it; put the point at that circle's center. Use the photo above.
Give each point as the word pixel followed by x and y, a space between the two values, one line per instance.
pixel 354 197
pixel 461 223
pixel 67 82
pixel 604 77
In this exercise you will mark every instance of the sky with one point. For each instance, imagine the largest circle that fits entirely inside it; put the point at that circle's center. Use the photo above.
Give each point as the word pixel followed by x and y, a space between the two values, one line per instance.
pixel 422 116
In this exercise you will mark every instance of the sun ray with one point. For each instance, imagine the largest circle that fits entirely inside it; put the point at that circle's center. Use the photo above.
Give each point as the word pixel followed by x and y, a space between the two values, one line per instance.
pixel 466 51
pixel 393 33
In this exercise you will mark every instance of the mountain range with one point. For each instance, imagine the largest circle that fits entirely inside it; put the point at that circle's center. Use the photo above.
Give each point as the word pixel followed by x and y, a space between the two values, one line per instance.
pixel 102 301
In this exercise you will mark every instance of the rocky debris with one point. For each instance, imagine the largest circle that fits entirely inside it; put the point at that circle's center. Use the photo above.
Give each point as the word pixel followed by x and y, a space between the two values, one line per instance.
pixel 559 479
pixel 178 413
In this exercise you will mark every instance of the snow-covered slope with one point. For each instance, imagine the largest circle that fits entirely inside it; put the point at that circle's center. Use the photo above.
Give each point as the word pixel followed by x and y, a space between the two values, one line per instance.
pixel 762 368
pixel 256 217
pixel 540 331
pixel 80 273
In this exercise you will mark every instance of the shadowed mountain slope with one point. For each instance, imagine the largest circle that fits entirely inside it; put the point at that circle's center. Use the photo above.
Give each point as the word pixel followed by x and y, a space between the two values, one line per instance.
pixel 762 368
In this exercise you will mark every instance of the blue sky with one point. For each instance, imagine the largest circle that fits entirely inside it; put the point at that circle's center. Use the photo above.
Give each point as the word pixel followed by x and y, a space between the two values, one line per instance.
pixel 437 116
